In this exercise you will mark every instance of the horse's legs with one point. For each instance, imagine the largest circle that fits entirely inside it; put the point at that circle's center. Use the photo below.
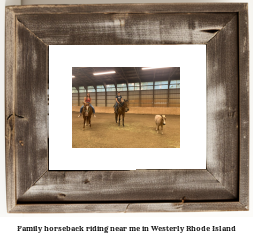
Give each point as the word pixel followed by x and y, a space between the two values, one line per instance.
pixel 123 119
pixel 116 117
pixel 157 128
pixel 84 123
pixel 119 119
pixel 162 129
pixel 90 121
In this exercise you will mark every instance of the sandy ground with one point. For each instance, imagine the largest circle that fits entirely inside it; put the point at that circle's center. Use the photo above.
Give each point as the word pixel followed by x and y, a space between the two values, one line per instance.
pixel 138 132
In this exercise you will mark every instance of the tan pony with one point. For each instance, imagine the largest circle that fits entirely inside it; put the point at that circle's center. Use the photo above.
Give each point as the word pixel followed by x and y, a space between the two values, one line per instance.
pixel 87 112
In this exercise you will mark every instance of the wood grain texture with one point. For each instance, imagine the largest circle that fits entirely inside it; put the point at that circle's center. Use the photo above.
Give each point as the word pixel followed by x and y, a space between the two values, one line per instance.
pixel 30 108
pixel 222 107
pixel 154 8
pixel 244 107
pixel 222 187
pixel 128 207
pixel 125 29
pixel 9 108
pixel 186 207
pixel 139 185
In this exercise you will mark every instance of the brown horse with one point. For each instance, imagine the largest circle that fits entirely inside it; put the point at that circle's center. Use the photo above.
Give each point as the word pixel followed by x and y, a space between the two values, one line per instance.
pixel 87 111
pixel 122 108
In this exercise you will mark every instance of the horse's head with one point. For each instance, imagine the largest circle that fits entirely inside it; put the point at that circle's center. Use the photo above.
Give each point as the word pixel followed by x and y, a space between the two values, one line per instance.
pixel 86 105
pixel 164 119
pixel 126 104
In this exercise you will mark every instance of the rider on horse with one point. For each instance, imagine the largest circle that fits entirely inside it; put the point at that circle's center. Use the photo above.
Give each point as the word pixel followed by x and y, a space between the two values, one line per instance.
pixel 87 99
pixel 118 101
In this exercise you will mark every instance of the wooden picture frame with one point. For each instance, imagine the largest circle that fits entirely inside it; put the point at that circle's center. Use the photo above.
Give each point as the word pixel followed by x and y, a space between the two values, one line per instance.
pixel 223 186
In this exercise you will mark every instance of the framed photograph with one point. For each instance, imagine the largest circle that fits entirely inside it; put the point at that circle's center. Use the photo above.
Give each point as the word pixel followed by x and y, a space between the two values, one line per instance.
pixel 151 48
pixel 150 94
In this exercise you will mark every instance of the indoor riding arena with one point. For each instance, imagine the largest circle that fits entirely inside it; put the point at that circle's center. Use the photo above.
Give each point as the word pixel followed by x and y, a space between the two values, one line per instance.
pixel 148 92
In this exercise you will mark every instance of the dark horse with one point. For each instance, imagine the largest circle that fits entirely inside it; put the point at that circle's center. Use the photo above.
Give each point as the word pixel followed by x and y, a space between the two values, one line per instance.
pixel 87 111
pixel 122 108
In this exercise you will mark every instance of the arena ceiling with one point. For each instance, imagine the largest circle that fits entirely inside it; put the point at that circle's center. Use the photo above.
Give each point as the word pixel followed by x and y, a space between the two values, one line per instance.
pixel 84 76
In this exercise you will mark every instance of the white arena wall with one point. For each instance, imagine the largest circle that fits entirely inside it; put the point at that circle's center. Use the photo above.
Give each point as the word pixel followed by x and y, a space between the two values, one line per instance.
pixel 137 110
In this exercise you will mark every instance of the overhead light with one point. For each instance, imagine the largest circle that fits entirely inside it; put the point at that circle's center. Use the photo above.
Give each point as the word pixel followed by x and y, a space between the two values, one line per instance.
pixel 108 72
pixel 73 76
pixel 153 68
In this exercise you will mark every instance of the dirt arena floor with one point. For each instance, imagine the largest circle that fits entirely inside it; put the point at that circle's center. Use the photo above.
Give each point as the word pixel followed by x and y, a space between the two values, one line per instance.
pixel 138 132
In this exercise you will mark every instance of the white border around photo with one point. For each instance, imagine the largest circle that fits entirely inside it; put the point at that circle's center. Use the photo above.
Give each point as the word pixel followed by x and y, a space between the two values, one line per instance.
pixel 192 62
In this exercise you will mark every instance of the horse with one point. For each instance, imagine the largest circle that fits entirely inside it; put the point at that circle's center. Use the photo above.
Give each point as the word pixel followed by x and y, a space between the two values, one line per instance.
pixel 122 108
pixel 160 120
pixel 87 112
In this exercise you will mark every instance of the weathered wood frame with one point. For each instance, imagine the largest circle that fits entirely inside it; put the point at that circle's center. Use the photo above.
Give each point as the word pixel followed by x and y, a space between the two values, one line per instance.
pixel 222 186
